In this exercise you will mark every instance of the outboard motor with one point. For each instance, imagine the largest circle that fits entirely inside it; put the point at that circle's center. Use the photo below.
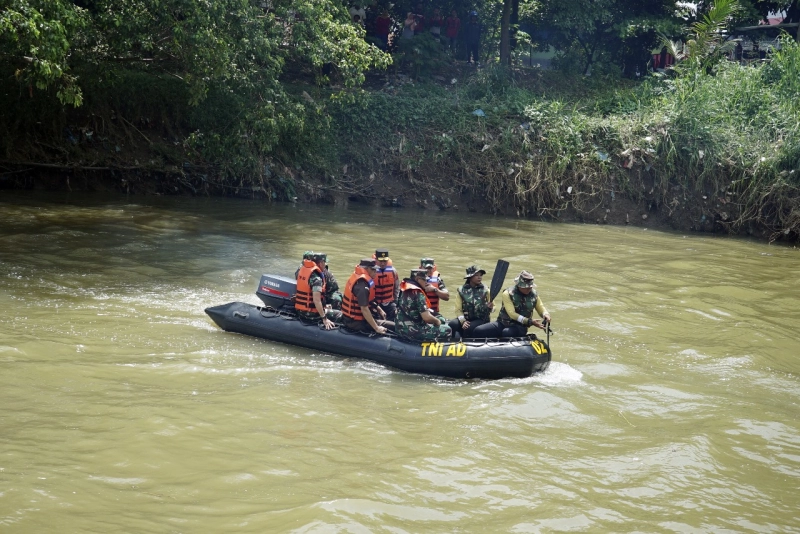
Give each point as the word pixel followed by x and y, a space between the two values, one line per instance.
pixel 277 291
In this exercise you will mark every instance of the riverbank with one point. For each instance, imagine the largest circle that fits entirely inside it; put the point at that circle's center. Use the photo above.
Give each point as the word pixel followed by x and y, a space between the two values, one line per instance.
pixel 719 156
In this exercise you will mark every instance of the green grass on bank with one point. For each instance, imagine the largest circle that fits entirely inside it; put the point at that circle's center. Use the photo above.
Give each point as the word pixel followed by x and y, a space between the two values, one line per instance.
pixel 733 135
pixel 546 142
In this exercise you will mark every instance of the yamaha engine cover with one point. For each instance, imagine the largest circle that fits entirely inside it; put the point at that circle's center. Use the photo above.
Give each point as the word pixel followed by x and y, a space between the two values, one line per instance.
pixel 277 291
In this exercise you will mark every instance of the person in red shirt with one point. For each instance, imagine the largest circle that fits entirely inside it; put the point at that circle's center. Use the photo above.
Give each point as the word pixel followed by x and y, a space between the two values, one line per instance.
pixel 419 18
pixel 435 24
pixel 452 27
pixel 383 25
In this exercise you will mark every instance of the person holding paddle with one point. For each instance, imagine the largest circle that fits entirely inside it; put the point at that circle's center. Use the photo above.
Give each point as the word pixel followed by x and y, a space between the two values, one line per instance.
pixel 516 314
pixel 472 304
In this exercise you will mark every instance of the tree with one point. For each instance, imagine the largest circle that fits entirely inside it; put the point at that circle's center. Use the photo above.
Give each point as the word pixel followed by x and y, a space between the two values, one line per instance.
pixel 790 7
pixel 604 28
pixel 36 39
pixel 706 43
pixel 505 33
pixel 233 43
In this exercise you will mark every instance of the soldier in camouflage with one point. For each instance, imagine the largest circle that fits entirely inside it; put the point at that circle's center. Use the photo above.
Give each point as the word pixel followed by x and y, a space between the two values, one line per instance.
pixel 472 304
pixel 414 317
pixel 333 297
pixel 516 315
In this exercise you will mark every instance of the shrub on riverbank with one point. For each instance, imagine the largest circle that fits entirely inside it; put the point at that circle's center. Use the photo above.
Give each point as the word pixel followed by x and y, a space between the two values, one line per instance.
pixel 726 144
pixel 728 141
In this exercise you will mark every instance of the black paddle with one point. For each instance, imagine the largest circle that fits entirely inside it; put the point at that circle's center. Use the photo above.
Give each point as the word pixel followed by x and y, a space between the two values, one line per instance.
pixel 498 278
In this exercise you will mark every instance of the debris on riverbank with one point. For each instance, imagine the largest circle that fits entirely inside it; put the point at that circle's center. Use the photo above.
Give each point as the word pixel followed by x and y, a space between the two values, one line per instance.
pixel 598 154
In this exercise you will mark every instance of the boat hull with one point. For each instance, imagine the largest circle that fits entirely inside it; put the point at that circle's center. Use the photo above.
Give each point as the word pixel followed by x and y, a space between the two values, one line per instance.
pixel 489 359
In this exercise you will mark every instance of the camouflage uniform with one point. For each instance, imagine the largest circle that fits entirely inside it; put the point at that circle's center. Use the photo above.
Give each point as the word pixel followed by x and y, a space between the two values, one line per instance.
pixel 410 324
pixel 315 282
pixel 332 294
pixel 516 314
pixel 523 304
pixel 474 302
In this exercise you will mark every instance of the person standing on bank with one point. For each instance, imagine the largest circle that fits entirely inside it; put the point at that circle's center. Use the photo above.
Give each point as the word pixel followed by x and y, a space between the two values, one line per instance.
pixel 309 300
pixel 472 304
pixel 472 37
pixel 453 25
pixel 414 317
pixel 359 292
pixel 516 313
pixel 434 285
pixel 387 284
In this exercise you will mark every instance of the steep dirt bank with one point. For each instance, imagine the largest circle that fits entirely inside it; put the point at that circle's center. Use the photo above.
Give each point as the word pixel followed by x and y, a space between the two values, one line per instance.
pixel 415 146
pixel 686 211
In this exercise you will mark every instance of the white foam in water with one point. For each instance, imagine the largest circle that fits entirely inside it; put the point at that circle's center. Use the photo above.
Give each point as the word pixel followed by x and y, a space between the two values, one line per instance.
pixel 557 374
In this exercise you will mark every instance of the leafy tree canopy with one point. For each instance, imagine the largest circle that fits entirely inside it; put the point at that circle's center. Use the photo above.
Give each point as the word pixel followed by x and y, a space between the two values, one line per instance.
pixel 614 30
pixel 239 44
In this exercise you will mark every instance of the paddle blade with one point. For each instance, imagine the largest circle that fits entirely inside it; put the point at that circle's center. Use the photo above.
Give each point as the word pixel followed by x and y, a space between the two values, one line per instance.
pixel 498 278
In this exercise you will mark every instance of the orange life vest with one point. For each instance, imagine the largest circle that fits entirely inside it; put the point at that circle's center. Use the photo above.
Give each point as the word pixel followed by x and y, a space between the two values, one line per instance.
pixel 384 284
pixel 350 307
pixel 304 298
pixel 432 296
pixel 408 286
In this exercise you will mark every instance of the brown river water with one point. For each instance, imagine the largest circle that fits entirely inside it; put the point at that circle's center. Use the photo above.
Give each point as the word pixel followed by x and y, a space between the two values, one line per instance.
pixel 672 403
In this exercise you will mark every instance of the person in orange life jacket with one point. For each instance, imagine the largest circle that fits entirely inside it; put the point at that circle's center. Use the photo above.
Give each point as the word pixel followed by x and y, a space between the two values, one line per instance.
pixel 516 314
pixel 332 296
pixel 309 300
pixel 359 292
pixel 473 306
pixel 387 285
pixel 434 285
pixel 415 319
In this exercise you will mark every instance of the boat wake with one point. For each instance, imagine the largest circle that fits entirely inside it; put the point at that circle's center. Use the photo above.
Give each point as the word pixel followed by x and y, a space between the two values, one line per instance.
pixel 557 374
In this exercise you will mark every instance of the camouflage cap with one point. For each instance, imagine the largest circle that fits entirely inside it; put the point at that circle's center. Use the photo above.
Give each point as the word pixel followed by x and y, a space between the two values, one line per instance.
pixel 524 279
pixel 427 262
pixel 472 270
pixel 307 254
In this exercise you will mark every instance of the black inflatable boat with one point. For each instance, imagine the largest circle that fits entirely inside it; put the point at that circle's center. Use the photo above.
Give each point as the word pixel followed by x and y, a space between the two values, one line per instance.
pixel 473 358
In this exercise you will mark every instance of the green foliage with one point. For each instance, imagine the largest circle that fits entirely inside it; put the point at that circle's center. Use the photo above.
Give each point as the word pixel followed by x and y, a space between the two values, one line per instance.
pixel 226 56
pixel 705 46
pixel 607 33
pixel 782 73
pixel 732 134
pixel 36 39
pixel 421 55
